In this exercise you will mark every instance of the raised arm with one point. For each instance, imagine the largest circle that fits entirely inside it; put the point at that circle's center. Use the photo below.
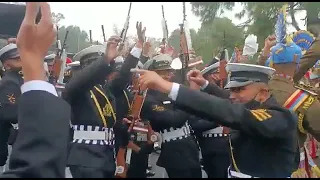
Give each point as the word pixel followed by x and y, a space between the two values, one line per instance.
pixel 121 80
pixel 84 80
pixel 308 60
pixel 215 90
pixel 268 123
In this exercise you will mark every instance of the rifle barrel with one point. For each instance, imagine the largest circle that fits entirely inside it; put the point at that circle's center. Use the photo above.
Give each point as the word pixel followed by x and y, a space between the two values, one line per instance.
pixel 104 35
pixel 129 9
pixel 162 11
pixel 64 43
pixel 90 36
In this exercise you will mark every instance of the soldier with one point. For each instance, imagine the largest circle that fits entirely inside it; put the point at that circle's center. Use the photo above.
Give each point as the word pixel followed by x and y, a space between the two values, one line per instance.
pixel 9 95
pixel 179 150
pixel 312 55
pixel 93 108
pixel 212 138
pixel 43 117
pixel 139 160
pixel 263 137
pixel 49 59
pixel 284 58
pixel 72 68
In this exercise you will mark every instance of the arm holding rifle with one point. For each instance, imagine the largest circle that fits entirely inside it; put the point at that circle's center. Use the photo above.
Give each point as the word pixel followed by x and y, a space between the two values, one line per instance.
pixel 131 61
pixel 94 73
pixel 145 52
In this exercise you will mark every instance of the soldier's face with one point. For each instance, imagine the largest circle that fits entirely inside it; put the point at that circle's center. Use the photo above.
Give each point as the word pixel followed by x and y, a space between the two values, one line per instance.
pixel 247 93
pixel 13 63
pixel 166 74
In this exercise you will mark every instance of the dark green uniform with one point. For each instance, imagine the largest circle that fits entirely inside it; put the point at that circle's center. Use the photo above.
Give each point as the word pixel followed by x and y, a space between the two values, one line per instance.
pixel 9 97
pixel 263 137
pixel 94 113
pixel 179 150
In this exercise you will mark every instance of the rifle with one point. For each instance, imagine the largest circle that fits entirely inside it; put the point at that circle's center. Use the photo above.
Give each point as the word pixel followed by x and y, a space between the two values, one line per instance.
pixel 124 31
pixel 185 44
pixel 164 31
pixel 124 154
pixel 90 36
pixel 104 35
pixel 59 64
pixel 224 58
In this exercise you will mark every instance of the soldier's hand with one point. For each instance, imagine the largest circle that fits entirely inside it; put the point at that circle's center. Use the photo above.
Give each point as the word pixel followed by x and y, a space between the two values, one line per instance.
pixel 141 33
pixel 268 43
pixel 146 49
pixel 150 79
pixel 196 77
pixel 112 50
pixel 34 40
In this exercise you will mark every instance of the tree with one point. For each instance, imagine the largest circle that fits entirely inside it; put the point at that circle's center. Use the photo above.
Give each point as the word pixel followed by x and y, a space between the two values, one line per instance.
pixel 174 39
pixel 212 37
pixel 57 17
pixel 77 39
pixel 207 11
pixel 261 15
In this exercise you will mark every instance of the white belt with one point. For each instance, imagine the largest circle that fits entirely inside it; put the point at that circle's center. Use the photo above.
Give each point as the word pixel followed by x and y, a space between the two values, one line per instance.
pixel 215 132
pixel 174 134
pixel 234 174
pixel 15 126
pixel 92 135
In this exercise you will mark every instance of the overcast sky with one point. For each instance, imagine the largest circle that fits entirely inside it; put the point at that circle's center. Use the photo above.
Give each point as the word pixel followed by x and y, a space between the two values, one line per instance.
pixel 91 15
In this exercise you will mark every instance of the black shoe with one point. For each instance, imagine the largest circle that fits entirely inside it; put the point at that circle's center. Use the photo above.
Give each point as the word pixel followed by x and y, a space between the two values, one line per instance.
pixel 149 167
pixel 150 173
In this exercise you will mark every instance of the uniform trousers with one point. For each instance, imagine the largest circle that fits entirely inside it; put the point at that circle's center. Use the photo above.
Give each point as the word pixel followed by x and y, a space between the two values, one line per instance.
pixel 216 164
pixel 184 173
pixel 88 172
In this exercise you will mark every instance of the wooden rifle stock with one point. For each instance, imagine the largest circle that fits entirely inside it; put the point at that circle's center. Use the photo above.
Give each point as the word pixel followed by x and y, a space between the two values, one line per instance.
pixel 57 60
pixel 134 116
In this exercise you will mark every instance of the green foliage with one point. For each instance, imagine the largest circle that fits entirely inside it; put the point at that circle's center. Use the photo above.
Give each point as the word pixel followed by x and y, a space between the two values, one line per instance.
pixel 261 15
pixel 77 38
pixel 57 17
pixel 207 11
pixel 210 38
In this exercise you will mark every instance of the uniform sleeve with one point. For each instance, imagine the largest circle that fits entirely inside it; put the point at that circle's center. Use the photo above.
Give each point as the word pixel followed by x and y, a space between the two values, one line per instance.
pixel 264 122
pixel 157 113
pixel 215 90
pixel 308 60
pixel 121 81
pixel 40 150
pixel 200 125
pixel 144 59
pixel 85 79
pixel 9 95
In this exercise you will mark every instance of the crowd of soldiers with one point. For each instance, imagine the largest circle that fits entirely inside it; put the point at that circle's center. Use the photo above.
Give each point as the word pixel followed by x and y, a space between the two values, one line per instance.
pixel 247 120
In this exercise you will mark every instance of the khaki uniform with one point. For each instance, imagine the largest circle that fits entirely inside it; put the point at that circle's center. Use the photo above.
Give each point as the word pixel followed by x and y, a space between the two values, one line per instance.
pixel 308 60
pixel 282 88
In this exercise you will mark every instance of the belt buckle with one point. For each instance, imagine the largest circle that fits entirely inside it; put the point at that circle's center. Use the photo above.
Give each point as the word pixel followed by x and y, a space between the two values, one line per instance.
pixel 141 137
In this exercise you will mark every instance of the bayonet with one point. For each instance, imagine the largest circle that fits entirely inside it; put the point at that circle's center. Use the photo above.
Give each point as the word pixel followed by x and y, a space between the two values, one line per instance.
pixel 103 33
pixel 124 31
pixel 90 36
